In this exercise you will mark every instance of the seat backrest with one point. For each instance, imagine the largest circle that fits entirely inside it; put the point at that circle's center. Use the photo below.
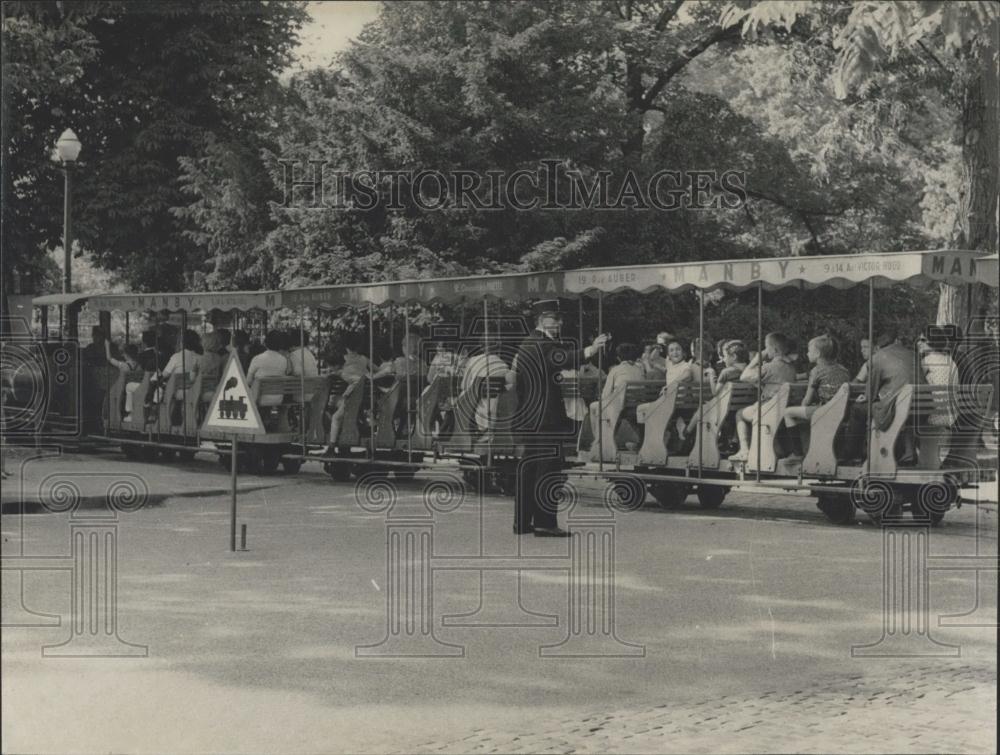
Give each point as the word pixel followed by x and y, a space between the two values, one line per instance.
pixel 796 392
pixel 337 385
pixel 642 392
pixel 288 385
pixel 690 394
pixel 742 395
pixel 492 386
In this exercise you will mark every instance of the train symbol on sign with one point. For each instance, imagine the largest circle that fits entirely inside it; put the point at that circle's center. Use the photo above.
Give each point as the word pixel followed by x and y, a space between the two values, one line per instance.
pixel 233 409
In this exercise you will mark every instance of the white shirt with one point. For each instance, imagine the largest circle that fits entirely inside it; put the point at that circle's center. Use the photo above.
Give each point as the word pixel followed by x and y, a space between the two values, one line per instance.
pixel 268 364
pixel 299 356
pixel 185 360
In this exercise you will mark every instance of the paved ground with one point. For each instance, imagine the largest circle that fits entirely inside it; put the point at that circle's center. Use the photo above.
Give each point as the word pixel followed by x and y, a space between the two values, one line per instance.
pixel 744 618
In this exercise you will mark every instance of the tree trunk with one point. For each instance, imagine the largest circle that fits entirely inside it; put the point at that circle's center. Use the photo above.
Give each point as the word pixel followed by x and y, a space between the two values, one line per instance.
pixel 979 203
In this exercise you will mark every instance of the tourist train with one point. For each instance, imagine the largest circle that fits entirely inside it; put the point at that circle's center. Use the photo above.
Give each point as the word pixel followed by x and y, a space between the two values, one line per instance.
pixel 698 436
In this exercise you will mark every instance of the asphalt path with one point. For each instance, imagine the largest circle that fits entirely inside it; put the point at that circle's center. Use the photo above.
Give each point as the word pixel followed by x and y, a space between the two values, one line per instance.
pixel 755 606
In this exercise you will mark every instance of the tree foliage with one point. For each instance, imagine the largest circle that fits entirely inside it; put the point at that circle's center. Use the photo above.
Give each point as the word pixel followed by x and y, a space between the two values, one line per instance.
pixel 143 85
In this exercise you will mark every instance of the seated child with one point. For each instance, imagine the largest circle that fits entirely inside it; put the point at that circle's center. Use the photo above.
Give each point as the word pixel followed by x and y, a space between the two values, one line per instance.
pixel 772 369
pixel 825 380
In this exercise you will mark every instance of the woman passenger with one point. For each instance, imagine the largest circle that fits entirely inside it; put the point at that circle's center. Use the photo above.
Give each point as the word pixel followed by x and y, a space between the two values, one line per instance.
pixel 628 369
pixel 356 366
pixel 272 362
pixel 678 368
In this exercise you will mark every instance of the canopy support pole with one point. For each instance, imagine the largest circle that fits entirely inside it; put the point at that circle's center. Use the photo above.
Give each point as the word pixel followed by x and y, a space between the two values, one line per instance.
pixel 392 327
pixel 760 368
pixel 701 379
pixel 371 379
pixel 409 394
pixel 159 380
pixel 486 354
pixel 869 388
pixel 126 329
pixel 302 379
pixel 579 374
pixel 184 377
pixel 600 384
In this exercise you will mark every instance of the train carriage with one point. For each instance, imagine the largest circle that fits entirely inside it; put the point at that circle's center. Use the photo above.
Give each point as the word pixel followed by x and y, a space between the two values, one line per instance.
pixel 396 423
pixel 637 430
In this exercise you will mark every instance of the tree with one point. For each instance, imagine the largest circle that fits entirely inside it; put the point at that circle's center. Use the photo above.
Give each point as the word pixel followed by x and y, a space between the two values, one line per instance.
pixel 958 39
pixel 144 85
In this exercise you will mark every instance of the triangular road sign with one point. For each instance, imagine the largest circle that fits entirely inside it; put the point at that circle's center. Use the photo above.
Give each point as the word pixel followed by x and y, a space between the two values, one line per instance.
pixel 231 410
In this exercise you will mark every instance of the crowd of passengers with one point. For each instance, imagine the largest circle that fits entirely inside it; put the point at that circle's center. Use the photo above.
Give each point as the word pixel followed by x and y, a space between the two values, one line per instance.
pixel 940 356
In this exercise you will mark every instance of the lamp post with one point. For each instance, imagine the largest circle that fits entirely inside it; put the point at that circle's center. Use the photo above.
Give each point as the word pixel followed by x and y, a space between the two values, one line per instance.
pixel 67 151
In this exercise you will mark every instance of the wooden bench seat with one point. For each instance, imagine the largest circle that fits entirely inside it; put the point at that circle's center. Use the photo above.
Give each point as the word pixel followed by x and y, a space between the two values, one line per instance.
pixel 771 434
pixel 916 409
pixel 466 428
pixel 826 431
pixel 574 386
pixel 117 395
pixel 396 417
pixel 442 392
pixel 716 425
pixel 280 394
pixel 355 425
pixel 659 418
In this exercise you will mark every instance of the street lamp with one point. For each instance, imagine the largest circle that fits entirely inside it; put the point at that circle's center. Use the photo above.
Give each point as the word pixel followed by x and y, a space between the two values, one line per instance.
pixel 67 151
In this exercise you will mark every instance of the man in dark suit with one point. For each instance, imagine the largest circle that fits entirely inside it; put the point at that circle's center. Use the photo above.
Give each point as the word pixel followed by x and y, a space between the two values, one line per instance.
pixel 540 425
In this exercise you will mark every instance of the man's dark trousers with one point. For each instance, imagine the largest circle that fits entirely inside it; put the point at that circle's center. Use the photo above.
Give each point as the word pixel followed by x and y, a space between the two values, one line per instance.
pixel 535 506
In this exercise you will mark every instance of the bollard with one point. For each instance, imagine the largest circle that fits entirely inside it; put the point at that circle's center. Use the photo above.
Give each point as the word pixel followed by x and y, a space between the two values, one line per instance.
pixel 243 537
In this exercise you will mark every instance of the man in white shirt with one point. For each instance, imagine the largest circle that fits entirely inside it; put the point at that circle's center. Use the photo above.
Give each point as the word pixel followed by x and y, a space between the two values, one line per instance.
pixel 270 363
pixel 303 360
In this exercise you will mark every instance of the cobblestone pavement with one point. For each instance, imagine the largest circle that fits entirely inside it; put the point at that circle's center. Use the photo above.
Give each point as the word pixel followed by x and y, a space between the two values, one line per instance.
pixel 922 709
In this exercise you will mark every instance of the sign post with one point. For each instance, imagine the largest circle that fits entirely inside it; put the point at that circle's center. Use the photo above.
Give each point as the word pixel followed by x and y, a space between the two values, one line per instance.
pixel 234 413
pixel 232 491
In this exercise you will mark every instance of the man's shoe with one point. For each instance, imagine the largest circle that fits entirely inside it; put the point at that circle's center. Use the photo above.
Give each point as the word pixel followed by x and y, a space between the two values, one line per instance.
pixel 523 530
pixel 550 532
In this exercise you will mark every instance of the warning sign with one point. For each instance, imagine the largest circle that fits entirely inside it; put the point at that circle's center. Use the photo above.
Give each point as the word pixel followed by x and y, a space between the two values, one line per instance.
pixel 231 410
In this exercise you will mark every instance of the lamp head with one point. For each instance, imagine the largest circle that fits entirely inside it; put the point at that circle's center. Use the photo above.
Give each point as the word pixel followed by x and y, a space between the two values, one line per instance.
pixel 68 147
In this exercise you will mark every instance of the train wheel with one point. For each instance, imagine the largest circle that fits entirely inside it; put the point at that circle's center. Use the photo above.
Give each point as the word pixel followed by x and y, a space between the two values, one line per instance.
pixel 168 455
pixel 147 454
pixel 883 503
pixel 338 472
pixel 185 455
pixel 130 451
pixel 268 460
pixel 291 466
pixel 711 496
pixel 507 483
pixel 839 509
pixel 471 477
pixel 670 495
pixel 929 503
pixel 625 493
